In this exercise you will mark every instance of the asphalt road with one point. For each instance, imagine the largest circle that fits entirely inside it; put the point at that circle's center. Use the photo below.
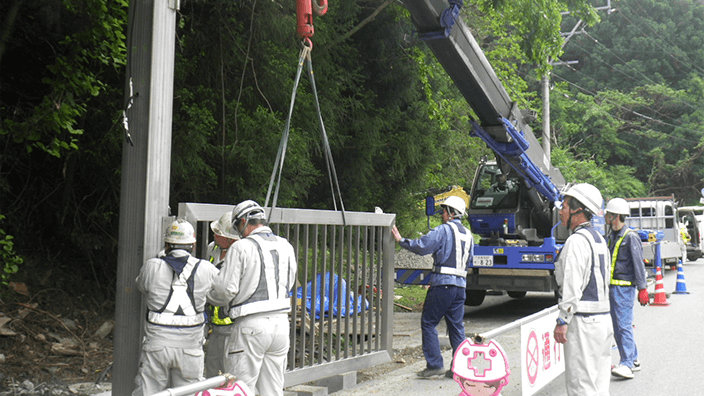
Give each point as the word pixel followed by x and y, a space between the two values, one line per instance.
pixel 669 342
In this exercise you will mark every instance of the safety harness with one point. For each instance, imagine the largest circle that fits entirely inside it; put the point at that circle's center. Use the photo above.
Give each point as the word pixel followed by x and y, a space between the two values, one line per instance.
pixel 179 309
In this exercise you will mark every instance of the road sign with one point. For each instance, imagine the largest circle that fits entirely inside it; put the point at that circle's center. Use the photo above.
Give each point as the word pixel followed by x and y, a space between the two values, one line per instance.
pixel 542 359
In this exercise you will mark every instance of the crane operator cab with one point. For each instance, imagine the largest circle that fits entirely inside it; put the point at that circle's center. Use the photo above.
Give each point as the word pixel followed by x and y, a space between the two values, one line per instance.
pixel 502 212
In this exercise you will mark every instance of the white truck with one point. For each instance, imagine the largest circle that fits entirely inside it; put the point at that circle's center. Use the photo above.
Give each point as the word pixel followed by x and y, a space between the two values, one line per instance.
pixel 656 219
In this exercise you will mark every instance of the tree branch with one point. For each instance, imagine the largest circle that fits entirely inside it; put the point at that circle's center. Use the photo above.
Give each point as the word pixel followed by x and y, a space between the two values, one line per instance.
pixel 360 25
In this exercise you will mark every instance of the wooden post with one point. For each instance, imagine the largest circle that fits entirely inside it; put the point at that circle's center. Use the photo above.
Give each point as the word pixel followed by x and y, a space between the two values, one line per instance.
pixel 144 194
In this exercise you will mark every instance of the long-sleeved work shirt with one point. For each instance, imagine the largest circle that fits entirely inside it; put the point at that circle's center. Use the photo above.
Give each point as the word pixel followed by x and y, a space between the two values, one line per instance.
pixel 240 286
pixel 582 272
pixel 441 242
pixel 629 261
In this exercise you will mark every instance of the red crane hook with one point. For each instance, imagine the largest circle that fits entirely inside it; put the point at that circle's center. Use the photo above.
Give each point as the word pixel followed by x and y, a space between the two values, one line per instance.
pixel 304 13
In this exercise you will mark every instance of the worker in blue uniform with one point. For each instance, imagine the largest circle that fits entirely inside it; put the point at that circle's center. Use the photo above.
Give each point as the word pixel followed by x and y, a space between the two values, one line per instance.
pixel 451 245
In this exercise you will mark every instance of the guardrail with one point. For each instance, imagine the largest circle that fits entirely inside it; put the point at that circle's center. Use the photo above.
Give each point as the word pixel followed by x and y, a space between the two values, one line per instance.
pixel 353 328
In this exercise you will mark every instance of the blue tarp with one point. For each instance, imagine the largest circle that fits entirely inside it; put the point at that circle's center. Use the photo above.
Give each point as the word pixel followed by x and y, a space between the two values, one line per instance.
pixel 337 283
pixel 645 234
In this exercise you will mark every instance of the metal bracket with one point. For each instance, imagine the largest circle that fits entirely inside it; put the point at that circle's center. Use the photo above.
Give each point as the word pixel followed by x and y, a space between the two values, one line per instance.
pixel 174 4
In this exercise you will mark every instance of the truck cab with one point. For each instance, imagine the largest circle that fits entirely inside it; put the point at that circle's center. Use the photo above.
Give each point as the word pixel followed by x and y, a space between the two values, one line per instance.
pixel 692 218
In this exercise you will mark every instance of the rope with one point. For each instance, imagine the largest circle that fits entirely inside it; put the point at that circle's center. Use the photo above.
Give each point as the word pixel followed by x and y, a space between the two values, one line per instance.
pixel 281 154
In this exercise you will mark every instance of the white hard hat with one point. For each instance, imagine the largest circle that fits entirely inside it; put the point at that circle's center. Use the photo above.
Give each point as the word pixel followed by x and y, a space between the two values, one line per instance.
pixel 618 206
pixel 588 195
pixel 180 232
pixel 455 203
pixel 223 226
pixel 247 210
pixel 490 356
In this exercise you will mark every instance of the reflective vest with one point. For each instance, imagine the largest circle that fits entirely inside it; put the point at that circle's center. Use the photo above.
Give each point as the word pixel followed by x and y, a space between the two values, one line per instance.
pixel 614 256
pixel 595 294
pixel 179 309
pixel 218 315
pixel 271 293
pixel 463 248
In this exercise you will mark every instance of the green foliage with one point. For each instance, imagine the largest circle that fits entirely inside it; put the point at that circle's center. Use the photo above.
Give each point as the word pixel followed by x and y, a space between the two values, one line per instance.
pixel 94 35
pixel 635 97
pixel 411 296
pixel 535 25
pixel 612 181
pixel 62 92
pixel 10 259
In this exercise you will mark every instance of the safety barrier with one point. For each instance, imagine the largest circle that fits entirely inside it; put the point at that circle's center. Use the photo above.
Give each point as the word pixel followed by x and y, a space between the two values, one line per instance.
pixel 352 327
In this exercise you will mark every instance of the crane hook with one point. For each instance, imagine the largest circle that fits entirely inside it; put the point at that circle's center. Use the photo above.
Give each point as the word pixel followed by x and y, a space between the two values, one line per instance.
pixel 304 14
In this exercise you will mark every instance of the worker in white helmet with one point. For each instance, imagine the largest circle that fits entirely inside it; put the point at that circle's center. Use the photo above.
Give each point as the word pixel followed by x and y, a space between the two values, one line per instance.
pixel 451 245
pixel 256 281
pixel 175 286
pixel 627 275
pixel 582 272
pixel 219 320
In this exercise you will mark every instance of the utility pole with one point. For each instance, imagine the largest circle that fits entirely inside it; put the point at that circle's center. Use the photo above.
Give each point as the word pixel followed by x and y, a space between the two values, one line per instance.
pixel 146 170
pixel 545 82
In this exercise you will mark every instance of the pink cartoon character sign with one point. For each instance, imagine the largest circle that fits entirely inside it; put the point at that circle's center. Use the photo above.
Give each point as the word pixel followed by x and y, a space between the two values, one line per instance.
pixel 232 388
pixel 480 369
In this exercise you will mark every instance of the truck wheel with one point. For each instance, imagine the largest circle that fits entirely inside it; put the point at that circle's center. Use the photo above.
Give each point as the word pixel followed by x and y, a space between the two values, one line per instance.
pixel 474 298
pixel 516 294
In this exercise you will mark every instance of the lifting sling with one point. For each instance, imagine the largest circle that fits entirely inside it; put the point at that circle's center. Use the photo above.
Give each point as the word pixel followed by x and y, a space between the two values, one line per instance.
pixel 305 29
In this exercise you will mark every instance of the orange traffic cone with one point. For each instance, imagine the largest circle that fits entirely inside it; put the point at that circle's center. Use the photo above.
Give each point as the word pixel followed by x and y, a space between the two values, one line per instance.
pixel 660 297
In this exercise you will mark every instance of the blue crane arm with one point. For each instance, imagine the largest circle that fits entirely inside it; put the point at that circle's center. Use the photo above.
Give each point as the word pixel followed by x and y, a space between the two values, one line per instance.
pixel 501 124
pixel 514 154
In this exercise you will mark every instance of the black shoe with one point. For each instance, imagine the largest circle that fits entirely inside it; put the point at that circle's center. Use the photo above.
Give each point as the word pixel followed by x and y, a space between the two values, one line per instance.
pixel 428 372
pixel 449 374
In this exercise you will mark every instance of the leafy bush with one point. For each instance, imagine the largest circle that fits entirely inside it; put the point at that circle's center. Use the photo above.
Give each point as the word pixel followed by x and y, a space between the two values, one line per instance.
pixel 10 259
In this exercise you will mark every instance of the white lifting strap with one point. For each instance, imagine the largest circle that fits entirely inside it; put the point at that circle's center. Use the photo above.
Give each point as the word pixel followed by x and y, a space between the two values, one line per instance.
pixel 180 302
pixel 461 255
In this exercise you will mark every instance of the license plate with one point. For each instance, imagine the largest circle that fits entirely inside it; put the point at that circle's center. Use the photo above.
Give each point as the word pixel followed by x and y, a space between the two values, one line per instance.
pixel 483 261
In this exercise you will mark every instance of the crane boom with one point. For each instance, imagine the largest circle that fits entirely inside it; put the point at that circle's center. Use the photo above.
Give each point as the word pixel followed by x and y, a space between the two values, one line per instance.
pixel 456 49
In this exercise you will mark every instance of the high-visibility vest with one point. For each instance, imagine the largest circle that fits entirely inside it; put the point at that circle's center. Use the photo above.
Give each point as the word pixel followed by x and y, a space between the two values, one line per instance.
pixel 614 256
pixel 271 294
pixel 179 309
pixel 463 248
pixel 218 315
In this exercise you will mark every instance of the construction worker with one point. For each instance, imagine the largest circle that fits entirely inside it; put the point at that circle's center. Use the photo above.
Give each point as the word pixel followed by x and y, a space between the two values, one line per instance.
pixel 255 281
pixel 627 275
pixel 451 245
pixel 220 323
pixel 582 272
pixel 175 286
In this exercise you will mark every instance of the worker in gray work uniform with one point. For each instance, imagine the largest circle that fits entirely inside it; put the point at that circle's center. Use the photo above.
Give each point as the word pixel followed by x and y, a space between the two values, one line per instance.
pixel 255 282
pixel 220 324
pixel 175 285
pixel 582 273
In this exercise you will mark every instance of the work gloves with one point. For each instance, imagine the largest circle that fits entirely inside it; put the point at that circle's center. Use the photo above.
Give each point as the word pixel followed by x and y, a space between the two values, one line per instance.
pixel 643 297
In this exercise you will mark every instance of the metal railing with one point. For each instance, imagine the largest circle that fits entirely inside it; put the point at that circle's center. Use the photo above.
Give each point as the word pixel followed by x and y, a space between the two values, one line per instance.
pixel 353 328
